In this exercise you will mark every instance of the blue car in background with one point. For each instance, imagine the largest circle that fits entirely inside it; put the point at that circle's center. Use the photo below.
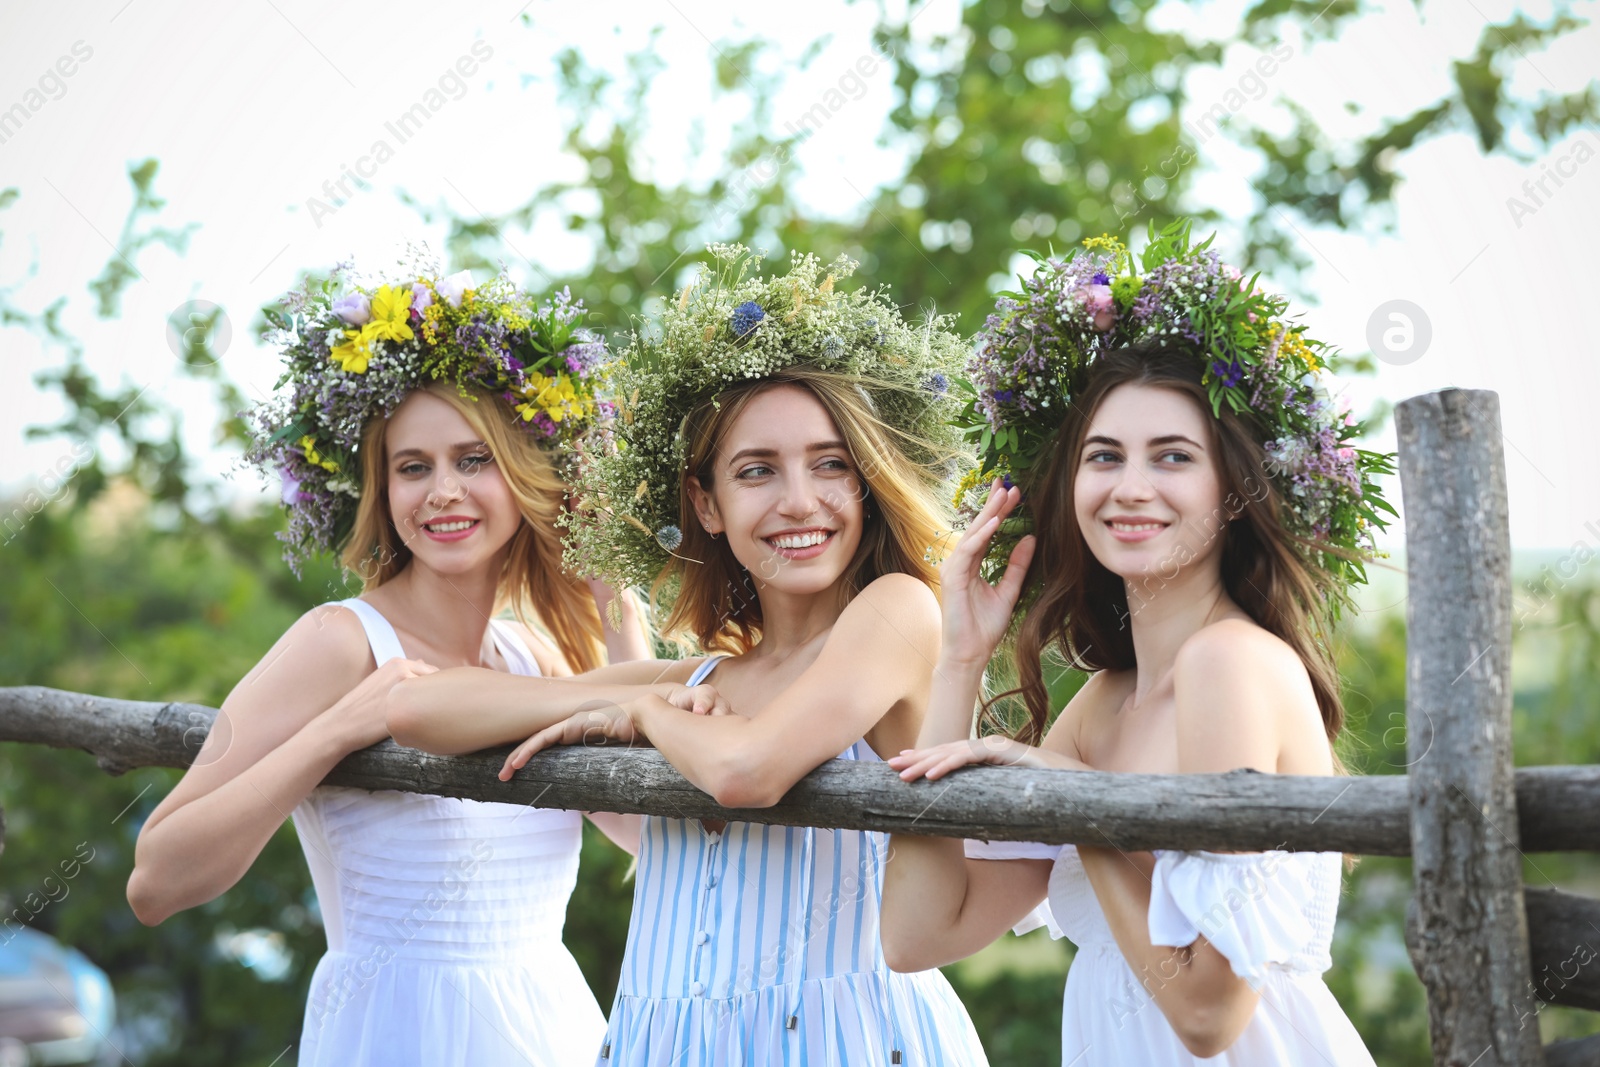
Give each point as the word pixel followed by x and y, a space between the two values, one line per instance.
pixel 55 1006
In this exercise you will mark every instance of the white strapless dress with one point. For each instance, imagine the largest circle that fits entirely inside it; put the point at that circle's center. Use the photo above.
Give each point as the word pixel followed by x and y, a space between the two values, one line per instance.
pixel 444 922
pixel 1270 914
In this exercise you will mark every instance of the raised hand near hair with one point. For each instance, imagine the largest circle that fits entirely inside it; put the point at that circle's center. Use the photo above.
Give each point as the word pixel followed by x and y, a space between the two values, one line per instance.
pixel 976 613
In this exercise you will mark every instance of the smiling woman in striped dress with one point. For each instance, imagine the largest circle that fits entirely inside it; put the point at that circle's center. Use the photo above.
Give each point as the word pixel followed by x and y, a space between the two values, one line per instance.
pixel 810 493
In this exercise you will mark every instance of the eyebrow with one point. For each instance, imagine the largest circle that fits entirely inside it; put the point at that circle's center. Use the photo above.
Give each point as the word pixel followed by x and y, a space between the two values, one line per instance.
pixel 1169 439
pixel 464 447
pixel 770 453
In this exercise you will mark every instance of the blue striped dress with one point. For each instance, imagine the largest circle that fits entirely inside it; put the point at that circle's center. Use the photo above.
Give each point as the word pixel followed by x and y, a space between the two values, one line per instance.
pixel 759 945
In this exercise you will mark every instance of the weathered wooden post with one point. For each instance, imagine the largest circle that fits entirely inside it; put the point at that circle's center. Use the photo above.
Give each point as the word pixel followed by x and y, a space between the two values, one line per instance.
pixel 1469 931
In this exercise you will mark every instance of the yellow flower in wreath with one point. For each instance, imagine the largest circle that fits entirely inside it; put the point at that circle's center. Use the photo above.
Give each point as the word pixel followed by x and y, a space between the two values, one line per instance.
pixel 352 356
pixel 391 315
pixel 391 321
pixel 552 397
pixel 308 445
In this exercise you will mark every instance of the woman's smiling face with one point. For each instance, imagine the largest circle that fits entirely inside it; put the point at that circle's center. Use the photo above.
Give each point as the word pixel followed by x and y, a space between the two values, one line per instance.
pixel 447 496
pixel 786 493
pixel 1147 494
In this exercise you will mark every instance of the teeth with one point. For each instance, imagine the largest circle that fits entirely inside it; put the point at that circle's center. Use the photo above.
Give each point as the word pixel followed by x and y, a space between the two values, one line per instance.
pixel 451 527
pixel 805 540
pixel 1130 527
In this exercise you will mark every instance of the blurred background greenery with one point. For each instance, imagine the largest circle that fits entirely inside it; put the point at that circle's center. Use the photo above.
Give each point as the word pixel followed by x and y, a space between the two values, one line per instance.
pixel 134 576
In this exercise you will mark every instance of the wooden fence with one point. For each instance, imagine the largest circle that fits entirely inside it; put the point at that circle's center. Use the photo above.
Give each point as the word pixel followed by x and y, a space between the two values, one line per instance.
pixel 1487 950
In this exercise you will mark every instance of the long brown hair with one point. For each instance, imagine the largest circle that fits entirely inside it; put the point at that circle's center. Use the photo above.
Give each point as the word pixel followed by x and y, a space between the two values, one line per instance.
pixel 533 584
pixel 716 600
pixel 1082 608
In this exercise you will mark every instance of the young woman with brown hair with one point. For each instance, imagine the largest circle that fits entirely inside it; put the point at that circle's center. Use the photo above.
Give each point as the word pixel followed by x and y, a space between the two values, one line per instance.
pixel 1195 514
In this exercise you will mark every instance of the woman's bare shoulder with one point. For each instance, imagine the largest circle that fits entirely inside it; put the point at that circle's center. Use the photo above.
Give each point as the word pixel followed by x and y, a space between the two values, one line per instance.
pixel 319 658
pixel 1242 658
pixel 893 605
pixel 1244 698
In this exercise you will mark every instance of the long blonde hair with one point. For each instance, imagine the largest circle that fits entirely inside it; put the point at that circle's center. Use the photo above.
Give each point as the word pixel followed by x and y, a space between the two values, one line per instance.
pixel 533 584
pixel 716 600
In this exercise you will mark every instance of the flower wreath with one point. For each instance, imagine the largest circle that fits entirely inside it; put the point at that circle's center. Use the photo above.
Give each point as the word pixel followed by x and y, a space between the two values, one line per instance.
pixel 727 325
pixel 354 356
pixel 1036 349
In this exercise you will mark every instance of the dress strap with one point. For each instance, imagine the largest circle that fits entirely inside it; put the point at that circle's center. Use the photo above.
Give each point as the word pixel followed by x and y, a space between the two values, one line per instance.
pixel 706 666
pixel 380 635
pixel 519 657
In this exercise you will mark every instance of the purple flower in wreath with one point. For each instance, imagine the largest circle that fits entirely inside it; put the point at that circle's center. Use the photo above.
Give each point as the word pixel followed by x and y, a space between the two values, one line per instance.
pixel 454 288
pixel 421 299
pixel 746 317
pixel 354 309
pixel 938 385
pixel 586 354
pixel 290 491
pixel 543 426
pixel 1229 373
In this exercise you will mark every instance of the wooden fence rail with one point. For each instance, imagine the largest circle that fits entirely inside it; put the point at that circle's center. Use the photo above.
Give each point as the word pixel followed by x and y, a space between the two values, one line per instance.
pixel 1244 811
pixel 1240 810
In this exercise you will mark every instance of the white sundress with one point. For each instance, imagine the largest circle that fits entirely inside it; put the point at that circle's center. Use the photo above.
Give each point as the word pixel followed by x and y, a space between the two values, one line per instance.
pixel 444 922
pixel 759 945
pixel 1270 914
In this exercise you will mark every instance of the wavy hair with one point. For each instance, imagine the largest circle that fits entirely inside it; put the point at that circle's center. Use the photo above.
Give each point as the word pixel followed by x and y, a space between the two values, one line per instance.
pixel 1082 611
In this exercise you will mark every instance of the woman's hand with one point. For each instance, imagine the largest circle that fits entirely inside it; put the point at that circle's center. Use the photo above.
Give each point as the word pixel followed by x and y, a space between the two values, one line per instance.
pixel 611 723
pixel 362 715
pixel 975 613
pixel 702 699
pixel 626 635
pixel 600 589
pixel 603 592
pixel 940 760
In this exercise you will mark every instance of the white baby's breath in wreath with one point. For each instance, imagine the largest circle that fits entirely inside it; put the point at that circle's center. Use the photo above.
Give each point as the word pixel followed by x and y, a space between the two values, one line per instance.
pixel 731 324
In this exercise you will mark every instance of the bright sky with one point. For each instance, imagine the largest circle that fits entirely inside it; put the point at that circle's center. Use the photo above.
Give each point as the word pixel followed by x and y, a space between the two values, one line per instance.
pixel 252 107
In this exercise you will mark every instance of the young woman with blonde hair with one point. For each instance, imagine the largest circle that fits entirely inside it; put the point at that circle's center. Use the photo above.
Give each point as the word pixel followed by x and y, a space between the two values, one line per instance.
pixel 420 438
pixel 783 446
